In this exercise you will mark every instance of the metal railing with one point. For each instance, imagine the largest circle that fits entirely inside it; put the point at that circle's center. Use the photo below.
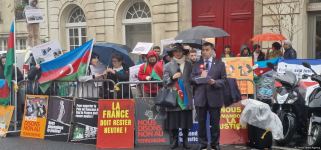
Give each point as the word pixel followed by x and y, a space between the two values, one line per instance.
pixel 137 89
pixel 102 89
pixel 89 89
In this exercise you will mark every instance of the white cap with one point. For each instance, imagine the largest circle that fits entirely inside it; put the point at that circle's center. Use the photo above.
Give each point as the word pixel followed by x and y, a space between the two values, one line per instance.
pixel 288 42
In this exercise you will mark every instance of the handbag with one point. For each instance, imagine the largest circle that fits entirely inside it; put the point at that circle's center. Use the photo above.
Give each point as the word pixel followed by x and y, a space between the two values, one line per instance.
pixel 166 97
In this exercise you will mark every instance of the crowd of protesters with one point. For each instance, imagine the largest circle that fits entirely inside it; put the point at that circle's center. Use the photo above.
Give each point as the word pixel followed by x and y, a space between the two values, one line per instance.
pixel 177 65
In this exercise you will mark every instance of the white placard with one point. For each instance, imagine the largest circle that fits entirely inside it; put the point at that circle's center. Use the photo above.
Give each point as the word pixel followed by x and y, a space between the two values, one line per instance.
pixel 133 73
pixel 166 42
pixel 295 66
pixel 142 48
pixel 34 16
pixel 46 52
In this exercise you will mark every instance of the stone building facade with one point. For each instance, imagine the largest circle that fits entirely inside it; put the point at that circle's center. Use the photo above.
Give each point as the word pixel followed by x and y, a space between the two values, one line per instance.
pixel 121 21
pixel 72 22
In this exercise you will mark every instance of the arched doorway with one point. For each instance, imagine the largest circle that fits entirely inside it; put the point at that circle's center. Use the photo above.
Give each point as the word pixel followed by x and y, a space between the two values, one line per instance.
pixel 137 24
pixel 76 28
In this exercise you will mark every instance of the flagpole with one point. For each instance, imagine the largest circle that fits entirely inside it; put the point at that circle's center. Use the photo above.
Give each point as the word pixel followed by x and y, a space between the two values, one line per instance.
pixel 15 85
pixel 91 50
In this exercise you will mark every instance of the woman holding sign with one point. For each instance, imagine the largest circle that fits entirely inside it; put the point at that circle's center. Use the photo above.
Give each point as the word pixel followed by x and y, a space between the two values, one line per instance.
pixel 177 76
pixel 118 72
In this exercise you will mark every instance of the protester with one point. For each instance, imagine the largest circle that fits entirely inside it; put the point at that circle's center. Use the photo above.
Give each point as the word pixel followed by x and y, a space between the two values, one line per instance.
pixel 289 52
pixel 144 74
pixel 2 66
pixel 33 28
pixel 227 52
pixel 166 59
pixel 96 68
pixel 141 60
pixel 177 76
pixel 209 96
pixel 276 51
pixel 257 55
pixel 192 56
pixel 20 102
pixel 94 89
pixel 245 51
pixel 34 73
pixel 118 72
pixel 158 51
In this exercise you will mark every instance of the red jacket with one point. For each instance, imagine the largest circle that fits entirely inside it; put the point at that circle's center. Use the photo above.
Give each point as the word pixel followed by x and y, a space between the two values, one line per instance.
pixel 147 71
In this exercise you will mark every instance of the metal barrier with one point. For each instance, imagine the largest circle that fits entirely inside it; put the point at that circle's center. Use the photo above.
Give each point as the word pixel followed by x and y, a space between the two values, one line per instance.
pixel 101 89
pixel 134 87
pixel 138 89
pixel 89 89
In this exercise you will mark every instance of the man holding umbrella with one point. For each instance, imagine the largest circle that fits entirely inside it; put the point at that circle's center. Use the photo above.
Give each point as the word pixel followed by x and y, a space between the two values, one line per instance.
pixel 209 76
pixel 209 96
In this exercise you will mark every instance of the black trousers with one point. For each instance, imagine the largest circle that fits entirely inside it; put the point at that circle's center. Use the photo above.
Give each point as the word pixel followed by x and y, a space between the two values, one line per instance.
pixel 215 114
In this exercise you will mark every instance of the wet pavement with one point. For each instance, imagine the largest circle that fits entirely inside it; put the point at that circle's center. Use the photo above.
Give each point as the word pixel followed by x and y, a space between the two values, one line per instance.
pixel 18 143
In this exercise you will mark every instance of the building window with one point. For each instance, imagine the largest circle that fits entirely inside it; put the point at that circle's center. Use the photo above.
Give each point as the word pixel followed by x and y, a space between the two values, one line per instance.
pixel 3 44
pixel 137 22
pixel 21 44
pixel 76 28
pixel 138 10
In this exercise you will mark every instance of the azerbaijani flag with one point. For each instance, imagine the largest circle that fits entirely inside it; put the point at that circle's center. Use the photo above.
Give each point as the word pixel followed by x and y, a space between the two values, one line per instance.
pixel 4 92
pixel 10 59
pixel 157 72
pixel 261 66
pixel 182 97
pixel 66 67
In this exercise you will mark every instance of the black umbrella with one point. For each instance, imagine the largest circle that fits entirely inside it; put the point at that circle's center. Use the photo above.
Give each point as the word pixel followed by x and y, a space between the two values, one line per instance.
pixel 197 43
pixel 200 32
pixel 105 51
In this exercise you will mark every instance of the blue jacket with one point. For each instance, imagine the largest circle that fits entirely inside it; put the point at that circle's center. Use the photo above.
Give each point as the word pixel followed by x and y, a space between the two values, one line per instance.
pixel 289 54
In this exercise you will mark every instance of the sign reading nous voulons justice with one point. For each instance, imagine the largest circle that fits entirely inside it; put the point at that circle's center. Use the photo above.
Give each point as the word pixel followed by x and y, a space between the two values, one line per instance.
pixel 115 124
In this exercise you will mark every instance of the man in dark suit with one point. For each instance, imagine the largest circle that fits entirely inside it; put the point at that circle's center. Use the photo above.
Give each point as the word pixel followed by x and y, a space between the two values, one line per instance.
pixel 209 96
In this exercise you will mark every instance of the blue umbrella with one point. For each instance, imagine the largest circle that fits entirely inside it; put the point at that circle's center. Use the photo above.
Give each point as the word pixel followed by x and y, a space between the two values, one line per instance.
pixel 106 50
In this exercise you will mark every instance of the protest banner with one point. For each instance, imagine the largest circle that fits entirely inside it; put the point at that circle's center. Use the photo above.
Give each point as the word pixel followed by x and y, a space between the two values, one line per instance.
pixel 116 124
pixel 46 52
pixel 5 118
pixel 164 44
pixel 35 116
pixel 295 66
pixel 142 48
pixel 192 134
pixel 59 118
pixel 133 73
pixel 240 68
pixel 85 116
pixel 231 130
pixel 149 123
pixel 34 16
